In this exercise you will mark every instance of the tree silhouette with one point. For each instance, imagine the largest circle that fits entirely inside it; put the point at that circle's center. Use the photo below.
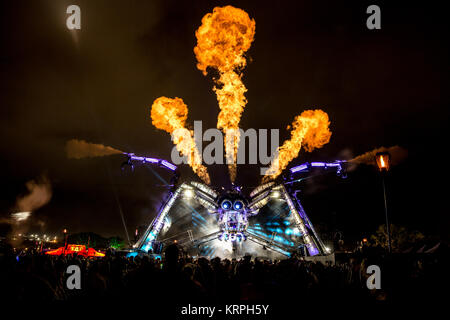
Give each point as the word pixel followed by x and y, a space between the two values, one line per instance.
pixel 401 237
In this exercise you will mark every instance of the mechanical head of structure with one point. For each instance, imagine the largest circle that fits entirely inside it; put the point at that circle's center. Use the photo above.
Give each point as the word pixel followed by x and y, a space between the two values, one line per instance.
pixel 233 215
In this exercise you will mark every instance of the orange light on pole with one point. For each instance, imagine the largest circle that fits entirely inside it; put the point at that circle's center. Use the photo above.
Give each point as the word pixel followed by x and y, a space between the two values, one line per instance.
pixel 383 160
pixel 65 239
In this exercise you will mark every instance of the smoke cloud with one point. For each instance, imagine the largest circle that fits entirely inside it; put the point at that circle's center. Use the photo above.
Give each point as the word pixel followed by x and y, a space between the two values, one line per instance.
pixel 78 149
pixel 39 193
pixel 398 155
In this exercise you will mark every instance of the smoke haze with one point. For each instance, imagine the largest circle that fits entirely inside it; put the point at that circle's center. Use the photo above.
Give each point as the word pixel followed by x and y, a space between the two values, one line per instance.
pixel 78 149
pixel 398 155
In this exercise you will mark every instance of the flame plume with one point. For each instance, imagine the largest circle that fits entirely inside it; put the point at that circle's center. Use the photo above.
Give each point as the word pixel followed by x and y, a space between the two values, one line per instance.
pixel 170 115
pixel 222 39
pixel 310 130
pixel 78 149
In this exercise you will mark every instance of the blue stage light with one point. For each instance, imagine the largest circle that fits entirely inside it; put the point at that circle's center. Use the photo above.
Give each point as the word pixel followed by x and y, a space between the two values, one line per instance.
pixel 226 204
pixel 238 205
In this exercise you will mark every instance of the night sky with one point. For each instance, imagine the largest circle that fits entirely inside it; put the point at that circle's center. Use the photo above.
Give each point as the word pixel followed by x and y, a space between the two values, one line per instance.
pixel 379 87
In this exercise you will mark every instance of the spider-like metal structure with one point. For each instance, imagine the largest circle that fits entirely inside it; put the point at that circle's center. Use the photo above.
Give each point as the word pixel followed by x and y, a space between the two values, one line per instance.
pixel 270 221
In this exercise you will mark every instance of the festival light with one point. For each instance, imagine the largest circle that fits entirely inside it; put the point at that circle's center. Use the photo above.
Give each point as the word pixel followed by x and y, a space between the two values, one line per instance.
pixel 276 194
pixel 164 163
pixel 189 193
pixel 226 204
pixel 383 160
pixel 169 165
pixel 238 205
pixel 299 168
pixel 75 249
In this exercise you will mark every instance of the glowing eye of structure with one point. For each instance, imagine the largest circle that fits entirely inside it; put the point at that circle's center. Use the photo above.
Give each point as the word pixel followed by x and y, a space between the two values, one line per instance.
pixel 226 204
pixel 238 205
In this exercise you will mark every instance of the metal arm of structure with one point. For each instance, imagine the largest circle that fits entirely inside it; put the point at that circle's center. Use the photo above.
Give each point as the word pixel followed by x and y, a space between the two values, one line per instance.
pixel 268 244
pixel 312 244
pixel 308 223
pixel 205 198
pixel 145 243
pixel 261 196
pixel 207 238
pixel 307 167
pixel 160 162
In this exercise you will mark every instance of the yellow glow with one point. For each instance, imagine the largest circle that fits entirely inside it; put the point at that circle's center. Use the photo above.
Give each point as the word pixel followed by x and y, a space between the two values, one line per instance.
pixel 383 164
pixel 189 193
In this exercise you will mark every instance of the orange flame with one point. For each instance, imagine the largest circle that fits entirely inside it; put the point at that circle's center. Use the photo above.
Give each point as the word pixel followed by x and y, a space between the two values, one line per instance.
pixel 170 115
pixel 383 165
pixel 222 39
pixel 310 130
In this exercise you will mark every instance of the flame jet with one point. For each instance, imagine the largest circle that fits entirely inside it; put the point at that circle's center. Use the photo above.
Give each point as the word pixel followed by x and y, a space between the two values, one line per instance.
pixel 170 115
pixel 222 39
pixel 310 130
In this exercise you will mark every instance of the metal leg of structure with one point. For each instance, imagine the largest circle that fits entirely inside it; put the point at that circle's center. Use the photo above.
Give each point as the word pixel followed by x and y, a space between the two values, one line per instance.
pixel 388 227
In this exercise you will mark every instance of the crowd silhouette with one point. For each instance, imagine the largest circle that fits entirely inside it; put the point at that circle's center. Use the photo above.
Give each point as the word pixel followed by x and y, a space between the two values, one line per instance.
pixel 38 277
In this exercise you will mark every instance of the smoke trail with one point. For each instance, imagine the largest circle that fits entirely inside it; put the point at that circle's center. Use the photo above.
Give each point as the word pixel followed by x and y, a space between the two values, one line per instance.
pixel 20 216
pixel 222 39
pixel 310 130
pixel 170 115
pixel 398 155
pixel 39 193
pixel 78 149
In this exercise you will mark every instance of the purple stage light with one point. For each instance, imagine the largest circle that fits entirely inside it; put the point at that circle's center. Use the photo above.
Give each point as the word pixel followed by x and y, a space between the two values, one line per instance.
pixel 169 165
pixel 305 166
pixel 318 164
pixel 299 168
pixel 333 164
pixel 144 160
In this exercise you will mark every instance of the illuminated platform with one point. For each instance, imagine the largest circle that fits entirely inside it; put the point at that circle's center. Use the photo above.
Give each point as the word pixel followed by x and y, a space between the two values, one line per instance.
pixel 269 222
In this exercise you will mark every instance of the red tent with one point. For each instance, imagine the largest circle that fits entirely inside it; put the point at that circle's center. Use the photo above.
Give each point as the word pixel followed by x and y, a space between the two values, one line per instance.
pixel 76 249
